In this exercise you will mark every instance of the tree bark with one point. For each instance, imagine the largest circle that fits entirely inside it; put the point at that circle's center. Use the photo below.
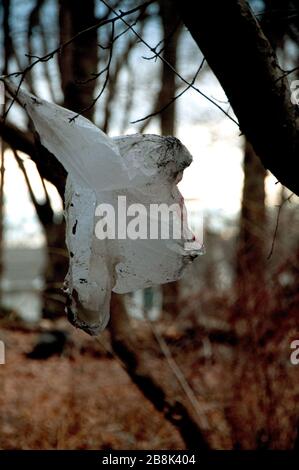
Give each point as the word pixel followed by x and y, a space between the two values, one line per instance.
pixel 242 59
pixel 79 60
pixel 171 29
pixel 251 257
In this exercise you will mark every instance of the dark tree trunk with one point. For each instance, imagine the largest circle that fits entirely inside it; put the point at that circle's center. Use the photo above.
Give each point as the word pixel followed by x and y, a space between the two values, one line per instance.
pixel 171 29
pixel 79 60
pixel 171 25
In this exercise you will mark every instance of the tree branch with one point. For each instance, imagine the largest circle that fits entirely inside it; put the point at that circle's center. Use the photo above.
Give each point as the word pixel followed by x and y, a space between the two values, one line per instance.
pixel 242 59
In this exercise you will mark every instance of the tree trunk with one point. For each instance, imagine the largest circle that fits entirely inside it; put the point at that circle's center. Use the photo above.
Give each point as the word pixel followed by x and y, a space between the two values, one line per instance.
pixel 172 26
pixel 79 60
pixel 171 30
pixel 249 425
pixel 251 257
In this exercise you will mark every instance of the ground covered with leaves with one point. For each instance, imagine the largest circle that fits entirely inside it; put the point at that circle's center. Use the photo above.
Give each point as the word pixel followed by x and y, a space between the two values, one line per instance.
pixel 83 398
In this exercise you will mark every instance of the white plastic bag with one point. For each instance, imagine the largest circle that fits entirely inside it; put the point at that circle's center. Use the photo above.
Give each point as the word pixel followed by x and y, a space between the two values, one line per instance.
pixel 141 169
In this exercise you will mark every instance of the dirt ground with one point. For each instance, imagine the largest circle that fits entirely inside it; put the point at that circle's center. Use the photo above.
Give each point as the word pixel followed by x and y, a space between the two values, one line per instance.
pixel 84 399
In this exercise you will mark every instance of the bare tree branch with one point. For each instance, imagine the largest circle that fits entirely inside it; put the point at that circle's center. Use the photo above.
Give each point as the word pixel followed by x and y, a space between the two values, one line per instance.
pixel 121 17
pixel 159 111
pixel 40 59
pixel 246 66
pixel 288 199
pixel 43 210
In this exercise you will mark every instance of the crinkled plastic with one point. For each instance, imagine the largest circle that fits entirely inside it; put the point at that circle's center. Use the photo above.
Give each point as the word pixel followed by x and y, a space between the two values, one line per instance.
pixel 138 169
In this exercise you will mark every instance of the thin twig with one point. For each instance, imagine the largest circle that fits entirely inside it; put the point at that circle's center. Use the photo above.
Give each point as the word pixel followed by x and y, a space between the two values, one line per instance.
pixel 104 48
pixel 179 375
pixel 155 113
pixel 164 40
pixel 107 70
pixel 50 55
pixel 120 16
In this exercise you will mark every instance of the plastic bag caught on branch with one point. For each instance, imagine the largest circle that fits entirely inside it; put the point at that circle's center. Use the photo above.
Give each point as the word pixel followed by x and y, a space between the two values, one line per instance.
pixel 115 177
